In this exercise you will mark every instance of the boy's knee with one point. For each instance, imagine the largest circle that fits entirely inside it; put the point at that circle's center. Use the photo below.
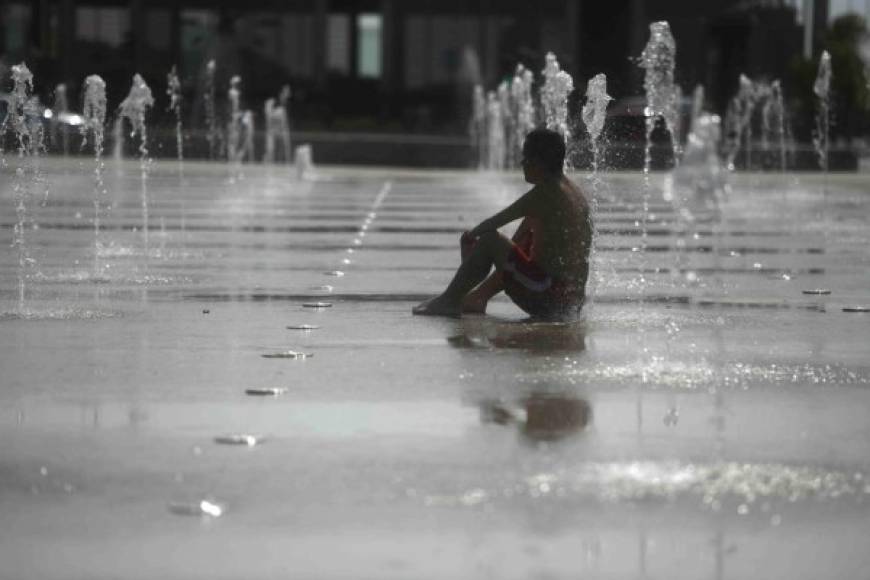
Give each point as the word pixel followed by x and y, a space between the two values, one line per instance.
pixel 489 238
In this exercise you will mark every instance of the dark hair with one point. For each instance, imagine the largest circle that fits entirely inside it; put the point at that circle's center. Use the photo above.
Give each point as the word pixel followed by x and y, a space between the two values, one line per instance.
pixel 546 147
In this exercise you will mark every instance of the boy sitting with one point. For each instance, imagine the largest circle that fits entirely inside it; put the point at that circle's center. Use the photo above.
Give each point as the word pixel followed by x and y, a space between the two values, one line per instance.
pixel 545 267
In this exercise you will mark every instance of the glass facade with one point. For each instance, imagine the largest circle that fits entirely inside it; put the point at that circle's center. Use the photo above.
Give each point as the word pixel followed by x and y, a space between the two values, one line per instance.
pixel 369 45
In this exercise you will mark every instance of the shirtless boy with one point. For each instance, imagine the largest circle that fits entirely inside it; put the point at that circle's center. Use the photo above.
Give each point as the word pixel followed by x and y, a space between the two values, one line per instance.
pixel 544 268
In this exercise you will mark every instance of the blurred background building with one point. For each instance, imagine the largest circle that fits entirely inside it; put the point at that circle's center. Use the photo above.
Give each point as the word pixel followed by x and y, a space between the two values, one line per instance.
pixel 404 66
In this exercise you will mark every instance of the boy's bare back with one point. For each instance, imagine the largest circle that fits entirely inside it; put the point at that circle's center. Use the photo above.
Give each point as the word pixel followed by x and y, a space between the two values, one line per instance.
pixel 562 224
pixel 564 239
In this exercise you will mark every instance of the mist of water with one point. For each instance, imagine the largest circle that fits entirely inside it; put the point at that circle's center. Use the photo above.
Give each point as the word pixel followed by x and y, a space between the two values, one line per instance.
pixel 495 132
pixel 738 121
pixel 234 124
pixel 277 121
pixel 247 136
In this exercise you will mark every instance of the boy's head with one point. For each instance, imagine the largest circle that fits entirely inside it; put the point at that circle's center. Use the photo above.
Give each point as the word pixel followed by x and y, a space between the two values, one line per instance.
pixel 543 155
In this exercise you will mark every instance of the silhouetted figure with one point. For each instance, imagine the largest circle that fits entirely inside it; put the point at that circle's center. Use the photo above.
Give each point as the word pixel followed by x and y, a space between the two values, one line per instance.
pixel 545 267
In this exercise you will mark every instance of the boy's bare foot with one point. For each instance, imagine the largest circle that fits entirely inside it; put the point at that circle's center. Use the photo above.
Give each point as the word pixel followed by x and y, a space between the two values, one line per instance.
pixel 473 305
pixel 437 306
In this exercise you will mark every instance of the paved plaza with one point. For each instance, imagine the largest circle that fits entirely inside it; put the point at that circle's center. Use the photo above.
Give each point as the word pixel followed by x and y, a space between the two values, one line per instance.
pixel 707 417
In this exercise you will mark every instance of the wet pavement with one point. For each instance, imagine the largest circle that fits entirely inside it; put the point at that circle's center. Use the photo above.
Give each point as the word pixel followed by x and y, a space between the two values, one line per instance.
pixel 706 417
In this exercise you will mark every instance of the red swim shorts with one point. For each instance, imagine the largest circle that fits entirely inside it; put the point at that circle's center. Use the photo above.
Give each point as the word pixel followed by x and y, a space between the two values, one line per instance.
pixel 531 288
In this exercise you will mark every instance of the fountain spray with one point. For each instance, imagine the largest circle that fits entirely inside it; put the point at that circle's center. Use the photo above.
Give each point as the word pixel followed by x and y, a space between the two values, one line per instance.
pixel 173 90
pixel 822 89
pixel 133 108
pixel 284 121
pixel 738 122
pixel 277 125
pixel 269 116
pixel 658 60
pixel 777 110
pixel 594 114
pixel 247 139
pixel 495 132
pixel 94 120
pixel 507 119
pixel 477 127
pixel 210 109
pixel 16 122
pixel 554 96
pixel 521 92
pixel 61 109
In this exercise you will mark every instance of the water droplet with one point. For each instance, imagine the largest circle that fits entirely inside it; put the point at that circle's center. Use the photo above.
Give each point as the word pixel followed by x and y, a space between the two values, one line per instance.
pixel 775 520
pixel 265 391
pixel 743 509
pixel 43 471
pixel 238 439
pixel 200 508
pixel 317 305
pixel 288 354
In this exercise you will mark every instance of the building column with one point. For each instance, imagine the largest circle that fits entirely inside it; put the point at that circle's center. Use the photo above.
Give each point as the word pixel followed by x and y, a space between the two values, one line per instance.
pixel 319 41
pixel 820 24
pixel 638 27
pixel 175 36
pixel 138 26
pixel 572 17
pixel 388 42
pixel 67 40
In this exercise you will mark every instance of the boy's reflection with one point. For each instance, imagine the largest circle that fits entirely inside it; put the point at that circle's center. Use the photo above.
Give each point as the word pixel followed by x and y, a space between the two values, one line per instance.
pixel 535 337
pixel 541 417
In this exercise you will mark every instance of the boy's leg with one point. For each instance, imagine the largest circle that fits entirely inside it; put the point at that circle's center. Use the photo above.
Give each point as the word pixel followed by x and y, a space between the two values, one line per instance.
pixel 491 249
pixel 476 300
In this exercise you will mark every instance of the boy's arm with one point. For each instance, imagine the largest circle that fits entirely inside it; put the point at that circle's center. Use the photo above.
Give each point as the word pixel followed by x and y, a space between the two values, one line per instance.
pixel 516 210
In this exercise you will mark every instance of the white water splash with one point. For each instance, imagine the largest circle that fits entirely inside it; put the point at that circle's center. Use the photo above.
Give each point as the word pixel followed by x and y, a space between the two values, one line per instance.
pixel 554 96
pixel 94 121
pixel 133 108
